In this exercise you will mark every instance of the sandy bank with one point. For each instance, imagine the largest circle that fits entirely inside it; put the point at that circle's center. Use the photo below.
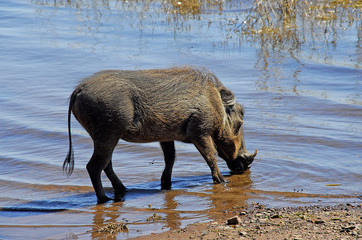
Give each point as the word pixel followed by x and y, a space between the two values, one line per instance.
pixel 259 222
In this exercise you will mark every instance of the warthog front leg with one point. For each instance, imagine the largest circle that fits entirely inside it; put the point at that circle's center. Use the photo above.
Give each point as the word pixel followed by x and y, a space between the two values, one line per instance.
pixel 206 147
pixel 168 149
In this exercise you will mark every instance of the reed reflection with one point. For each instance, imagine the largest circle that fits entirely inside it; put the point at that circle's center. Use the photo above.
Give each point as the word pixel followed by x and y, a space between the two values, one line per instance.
pixel 283 32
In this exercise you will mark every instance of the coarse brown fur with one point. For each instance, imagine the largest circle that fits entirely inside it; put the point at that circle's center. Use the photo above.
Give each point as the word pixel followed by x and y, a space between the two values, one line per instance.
pixel 185 104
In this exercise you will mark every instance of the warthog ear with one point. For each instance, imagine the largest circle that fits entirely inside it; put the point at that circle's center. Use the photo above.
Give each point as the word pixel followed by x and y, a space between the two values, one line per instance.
pixel 228 99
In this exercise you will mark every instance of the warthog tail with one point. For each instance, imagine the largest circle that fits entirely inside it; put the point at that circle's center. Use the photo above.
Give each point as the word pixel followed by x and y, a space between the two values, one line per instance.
pixel 68 165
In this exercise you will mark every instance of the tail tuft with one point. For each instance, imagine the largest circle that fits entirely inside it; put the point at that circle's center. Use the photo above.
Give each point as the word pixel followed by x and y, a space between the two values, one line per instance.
pixel 68 165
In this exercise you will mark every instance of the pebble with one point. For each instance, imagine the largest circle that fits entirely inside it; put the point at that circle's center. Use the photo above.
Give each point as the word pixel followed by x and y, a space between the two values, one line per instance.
pixel 263 220
pixel 228 228
pixel 347 228
pixel 234 220
pixel 319 221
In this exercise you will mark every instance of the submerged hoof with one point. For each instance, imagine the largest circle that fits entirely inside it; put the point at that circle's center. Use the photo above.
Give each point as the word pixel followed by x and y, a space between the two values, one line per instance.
pixel 166 185
pixel 103 200
pixel 119 197
pixel 120 191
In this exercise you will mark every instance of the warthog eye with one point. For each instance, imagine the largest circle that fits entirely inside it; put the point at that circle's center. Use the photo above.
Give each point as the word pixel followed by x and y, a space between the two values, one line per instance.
pixel 237 127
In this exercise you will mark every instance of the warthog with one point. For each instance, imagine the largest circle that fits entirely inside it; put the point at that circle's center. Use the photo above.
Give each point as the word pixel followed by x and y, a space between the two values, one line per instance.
pixel 185 104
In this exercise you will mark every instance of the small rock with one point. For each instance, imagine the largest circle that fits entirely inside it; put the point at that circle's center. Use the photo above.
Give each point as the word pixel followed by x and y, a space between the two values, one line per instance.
pixel 234 220
pixel 266 214
pixel 347 228
pixel 242 213
pixel 243 233
pixel 263 220
pixel 319 221
pixel 228 228
pixel 358 226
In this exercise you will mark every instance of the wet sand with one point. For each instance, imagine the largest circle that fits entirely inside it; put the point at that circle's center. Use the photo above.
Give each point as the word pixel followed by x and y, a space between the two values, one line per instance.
pixel 342 221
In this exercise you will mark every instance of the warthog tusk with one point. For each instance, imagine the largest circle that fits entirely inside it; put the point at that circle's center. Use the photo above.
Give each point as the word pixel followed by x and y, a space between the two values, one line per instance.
pixel 256 152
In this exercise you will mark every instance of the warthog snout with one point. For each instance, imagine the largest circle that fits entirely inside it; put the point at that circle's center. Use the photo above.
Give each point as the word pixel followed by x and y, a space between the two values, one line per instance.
pixel 242 162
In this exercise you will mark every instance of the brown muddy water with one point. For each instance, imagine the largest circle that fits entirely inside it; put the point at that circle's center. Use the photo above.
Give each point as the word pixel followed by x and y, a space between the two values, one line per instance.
pixel 299 81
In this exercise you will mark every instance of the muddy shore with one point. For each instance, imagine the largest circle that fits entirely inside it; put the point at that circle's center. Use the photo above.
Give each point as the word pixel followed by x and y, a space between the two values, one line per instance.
pixel 342 221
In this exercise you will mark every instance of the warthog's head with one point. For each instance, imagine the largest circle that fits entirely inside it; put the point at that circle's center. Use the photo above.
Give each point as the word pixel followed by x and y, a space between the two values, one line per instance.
pixel 231 144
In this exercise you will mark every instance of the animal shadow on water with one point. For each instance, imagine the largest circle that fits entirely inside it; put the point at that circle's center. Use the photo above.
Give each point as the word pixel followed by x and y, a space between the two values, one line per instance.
pixel 152 188
pixel 47 206
pixel 77 201
pixel 53 205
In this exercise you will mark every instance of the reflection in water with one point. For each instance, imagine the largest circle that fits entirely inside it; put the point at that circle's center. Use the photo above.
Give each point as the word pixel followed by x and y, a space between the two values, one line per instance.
pixel 234 193
pixel 173 220
pixel 283 32
pixel 275 25
pixel 176 208
pixel 290 32
pixel 290 25
pixel 105 215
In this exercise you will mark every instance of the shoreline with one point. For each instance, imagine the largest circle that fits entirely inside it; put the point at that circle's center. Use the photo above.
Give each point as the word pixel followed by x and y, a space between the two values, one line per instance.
pixel 342 221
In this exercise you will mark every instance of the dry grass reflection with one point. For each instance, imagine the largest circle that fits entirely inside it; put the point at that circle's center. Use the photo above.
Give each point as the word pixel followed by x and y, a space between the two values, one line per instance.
pixel 285 30
pixel 276 21
pixel 277 28
pixel 290 21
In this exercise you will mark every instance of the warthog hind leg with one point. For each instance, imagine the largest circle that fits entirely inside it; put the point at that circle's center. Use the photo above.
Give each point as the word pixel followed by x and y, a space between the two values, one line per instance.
pixel 118 186
pixel 99 161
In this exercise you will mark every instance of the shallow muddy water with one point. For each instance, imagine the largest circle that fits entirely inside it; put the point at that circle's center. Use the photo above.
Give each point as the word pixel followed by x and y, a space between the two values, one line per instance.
pixel 302 96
